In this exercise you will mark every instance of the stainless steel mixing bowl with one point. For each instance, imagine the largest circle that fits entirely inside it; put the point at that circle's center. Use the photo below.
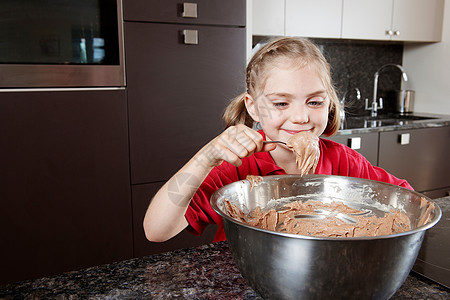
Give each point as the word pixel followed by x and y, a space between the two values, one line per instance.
pixel 288 266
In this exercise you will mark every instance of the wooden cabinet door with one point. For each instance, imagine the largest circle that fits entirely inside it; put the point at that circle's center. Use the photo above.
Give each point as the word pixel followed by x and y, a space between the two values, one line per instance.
pixel 268 17
pixel 314 18
pixel 417 20
pixel 65 184
pixel 365 143
pixel 142 195
pixel 420 156
pixel 177 92
pixel 217 12
pixel 366 19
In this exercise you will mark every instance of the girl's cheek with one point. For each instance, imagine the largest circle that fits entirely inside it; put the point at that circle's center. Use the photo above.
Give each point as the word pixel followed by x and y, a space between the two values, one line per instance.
pixel 268 113
pixel 276 117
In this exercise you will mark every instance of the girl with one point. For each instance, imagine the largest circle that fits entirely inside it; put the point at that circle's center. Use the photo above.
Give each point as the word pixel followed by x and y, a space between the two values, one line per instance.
pixel 288 90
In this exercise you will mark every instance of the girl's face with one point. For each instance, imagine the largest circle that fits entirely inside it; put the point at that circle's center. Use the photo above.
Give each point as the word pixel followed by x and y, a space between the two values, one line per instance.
pixel 293 99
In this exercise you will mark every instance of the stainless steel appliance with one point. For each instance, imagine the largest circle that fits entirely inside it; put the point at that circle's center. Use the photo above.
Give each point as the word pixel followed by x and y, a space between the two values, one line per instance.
pixel 404 101
pixel 61 43
pixel 281 265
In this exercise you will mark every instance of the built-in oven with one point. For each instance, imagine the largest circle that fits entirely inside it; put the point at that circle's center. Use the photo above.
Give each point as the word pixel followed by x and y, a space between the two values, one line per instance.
pixel 61 43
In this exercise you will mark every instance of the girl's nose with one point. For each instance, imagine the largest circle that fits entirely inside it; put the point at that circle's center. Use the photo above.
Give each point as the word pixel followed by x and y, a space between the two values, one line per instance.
pixel 299 114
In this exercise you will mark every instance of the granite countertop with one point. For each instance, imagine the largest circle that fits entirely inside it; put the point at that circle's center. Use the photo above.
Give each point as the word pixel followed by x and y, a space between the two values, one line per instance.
pixel 391 122
pixel 205 272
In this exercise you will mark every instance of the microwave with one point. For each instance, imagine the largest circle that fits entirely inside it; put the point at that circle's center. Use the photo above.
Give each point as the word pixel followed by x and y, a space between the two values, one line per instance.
pixel 61 43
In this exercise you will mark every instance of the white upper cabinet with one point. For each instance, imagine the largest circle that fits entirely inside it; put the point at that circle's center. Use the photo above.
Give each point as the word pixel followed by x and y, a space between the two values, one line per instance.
pixel 307 18
pixel 401 20
pixel 366 19
pixel 418 20
pixel 313 18
pixel 268 17
pixel 398 20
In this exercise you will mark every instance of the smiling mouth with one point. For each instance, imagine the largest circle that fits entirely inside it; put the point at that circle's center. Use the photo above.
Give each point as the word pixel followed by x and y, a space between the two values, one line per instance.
pixel 292 132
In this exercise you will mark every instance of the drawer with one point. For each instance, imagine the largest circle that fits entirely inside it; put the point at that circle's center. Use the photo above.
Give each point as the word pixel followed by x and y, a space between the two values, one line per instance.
pixel 365 143
pixel 142 195
pixel 209 12
pixel 417 155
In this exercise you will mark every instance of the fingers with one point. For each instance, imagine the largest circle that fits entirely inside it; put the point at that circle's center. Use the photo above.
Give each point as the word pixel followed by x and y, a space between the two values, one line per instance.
pixel 269 147
pixel 235 143
pixel 243 141
pixel 238 142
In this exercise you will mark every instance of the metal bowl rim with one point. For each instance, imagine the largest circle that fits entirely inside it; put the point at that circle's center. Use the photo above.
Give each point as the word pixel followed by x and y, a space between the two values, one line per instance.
pixel 437 211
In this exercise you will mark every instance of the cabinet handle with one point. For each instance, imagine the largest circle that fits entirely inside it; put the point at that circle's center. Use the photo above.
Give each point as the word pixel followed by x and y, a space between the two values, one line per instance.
pixel 190 37
pixel 189 10
pixel 389 32
pixel 354 143
pixel 404 138
pixel 397 32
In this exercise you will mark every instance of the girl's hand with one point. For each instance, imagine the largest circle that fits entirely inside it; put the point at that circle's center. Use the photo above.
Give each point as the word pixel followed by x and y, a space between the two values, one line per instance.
pixel 173 198
pixel 235 143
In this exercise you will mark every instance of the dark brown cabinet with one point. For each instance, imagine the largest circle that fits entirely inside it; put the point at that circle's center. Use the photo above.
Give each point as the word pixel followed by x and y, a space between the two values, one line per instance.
pixel 364 143
pixel 79 167
pixel 177 92
pixel 184 63
pixel 142 194
pixel 419 155
pixel 212 12
pixel 64 185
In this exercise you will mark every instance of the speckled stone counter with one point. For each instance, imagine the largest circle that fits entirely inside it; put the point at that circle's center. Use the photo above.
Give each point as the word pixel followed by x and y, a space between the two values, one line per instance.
pixel 205 272
pixel 365 124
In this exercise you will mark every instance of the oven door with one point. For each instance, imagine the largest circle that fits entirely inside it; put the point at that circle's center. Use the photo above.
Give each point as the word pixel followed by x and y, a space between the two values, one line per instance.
pixel 61 43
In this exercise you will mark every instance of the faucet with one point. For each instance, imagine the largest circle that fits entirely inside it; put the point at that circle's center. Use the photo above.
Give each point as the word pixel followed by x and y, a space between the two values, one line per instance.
pixel 374 107
pixel 342 111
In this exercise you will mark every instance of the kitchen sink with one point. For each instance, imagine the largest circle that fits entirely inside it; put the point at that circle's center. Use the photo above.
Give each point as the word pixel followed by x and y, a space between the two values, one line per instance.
pixel 381 120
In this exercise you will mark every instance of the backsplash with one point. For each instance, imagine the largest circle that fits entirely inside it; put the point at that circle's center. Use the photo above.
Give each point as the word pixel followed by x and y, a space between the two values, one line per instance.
pixel 353 65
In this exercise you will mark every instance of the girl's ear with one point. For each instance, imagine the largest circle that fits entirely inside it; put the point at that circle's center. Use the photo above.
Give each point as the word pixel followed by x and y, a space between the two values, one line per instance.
pixel 252 110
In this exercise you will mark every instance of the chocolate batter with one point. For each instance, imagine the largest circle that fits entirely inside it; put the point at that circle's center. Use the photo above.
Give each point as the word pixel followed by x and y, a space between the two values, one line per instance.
pixel 254 180
pixel 315 218
pixel 305 145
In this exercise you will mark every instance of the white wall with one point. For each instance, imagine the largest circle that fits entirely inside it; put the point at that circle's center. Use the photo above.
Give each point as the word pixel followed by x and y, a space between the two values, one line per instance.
pixel 428 69
pixel 249 29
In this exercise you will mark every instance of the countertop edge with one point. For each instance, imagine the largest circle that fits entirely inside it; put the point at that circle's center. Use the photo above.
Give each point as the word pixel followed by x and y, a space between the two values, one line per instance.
pixel 436 121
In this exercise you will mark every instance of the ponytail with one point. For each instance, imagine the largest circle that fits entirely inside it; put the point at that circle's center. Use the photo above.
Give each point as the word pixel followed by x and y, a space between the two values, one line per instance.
pixel 236 113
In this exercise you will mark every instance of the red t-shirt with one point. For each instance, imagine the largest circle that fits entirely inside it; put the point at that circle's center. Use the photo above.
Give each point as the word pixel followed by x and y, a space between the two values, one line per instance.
pixel 335 159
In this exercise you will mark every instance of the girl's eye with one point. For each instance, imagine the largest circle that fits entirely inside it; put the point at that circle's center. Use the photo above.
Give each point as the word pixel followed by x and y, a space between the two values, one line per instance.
pixel 316 101
pixel 280 104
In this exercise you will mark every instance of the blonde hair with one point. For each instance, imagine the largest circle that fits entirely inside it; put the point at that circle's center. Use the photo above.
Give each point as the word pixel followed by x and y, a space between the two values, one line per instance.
pixel 304 52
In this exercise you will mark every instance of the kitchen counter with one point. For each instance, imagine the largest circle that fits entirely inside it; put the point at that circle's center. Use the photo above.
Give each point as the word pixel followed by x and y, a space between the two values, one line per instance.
pixel 364 124
pixel 205 272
